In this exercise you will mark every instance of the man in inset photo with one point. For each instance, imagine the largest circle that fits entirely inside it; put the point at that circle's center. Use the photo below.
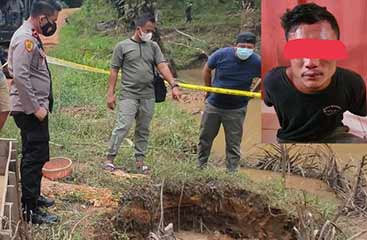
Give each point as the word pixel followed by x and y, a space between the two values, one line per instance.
pixel 311 95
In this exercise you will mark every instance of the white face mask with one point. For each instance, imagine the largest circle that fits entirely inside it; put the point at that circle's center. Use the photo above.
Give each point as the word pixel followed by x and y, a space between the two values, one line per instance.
pixel 244 53
pixel 145 37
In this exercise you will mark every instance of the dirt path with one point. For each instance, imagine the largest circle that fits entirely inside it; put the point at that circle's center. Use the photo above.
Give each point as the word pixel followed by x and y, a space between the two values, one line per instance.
pixel 96 197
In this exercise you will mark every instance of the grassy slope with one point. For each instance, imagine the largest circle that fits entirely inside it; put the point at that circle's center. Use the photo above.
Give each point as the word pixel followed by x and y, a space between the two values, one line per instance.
pixel 82 125
pixel 217 25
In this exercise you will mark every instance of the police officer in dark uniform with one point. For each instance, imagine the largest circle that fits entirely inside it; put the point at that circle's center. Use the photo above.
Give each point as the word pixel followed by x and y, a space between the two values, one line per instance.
pixel 31 101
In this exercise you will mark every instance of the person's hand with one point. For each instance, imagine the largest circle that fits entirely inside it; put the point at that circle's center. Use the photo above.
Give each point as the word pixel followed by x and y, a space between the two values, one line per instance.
pixel 176 93
pixel 111 101
pixel 206 95
pixel 41 113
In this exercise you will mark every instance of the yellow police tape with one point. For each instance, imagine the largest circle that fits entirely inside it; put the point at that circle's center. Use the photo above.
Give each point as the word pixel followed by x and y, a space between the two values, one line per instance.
pixel 77 66
pixel 221 90
pixel 64 63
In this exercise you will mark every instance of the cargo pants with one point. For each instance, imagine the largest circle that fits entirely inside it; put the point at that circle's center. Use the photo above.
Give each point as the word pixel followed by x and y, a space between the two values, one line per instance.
pixel 128 110
pixel 232 120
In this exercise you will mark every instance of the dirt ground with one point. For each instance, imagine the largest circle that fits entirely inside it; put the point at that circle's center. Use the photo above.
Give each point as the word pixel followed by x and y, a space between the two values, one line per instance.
pixel 236 213
pixel 354 225
pixel 187 235
pixel 96 197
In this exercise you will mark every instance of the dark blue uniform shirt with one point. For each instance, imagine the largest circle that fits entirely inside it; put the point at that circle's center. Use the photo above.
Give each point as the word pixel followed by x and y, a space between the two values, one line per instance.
pixel 232 73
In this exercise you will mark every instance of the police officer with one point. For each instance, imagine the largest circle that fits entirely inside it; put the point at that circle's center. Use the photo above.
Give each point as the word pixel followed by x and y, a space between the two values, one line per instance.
pixel 31 101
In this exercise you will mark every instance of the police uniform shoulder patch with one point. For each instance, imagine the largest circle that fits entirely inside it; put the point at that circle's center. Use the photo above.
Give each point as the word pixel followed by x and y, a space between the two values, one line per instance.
pixel 29 45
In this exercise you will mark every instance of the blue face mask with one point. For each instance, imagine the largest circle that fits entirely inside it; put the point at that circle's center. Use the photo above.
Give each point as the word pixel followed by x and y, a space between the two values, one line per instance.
pixel 244 53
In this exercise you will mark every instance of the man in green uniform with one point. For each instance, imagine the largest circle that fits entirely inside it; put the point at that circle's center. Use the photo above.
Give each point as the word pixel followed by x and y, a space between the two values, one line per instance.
pixel 136 56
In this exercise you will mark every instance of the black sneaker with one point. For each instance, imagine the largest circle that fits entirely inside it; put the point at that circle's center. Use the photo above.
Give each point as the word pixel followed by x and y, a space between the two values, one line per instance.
pixel 39 217
pixel 45 202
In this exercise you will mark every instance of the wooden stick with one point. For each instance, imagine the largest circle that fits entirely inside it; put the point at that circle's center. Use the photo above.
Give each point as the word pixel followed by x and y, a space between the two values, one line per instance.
pixel 357 235
pixel 179 208
pixel 161 221
pixel 56 144
pixel 72 231
pixel 189 36
pixel 187 46
pixel 358 179
pixel 284 159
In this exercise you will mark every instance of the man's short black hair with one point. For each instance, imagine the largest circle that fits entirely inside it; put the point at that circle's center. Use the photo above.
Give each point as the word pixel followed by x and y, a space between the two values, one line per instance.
pixel 45 7
pixel 143 19
pixel 308 13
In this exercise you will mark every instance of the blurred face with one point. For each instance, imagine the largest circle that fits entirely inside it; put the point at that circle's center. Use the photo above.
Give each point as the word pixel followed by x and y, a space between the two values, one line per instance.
pixel 312 75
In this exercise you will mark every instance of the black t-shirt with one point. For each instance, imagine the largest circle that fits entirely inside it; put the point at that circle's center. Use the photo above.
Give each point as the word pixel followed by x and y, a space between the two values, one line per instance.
pixel 311 117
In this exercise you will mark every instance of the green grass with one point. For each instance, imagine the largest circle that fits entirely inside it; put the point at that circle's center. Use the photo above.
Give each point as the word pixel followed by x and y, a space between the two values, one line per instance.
pixel 215 22
pixel 203 16
pixel 216 25
pixel 82 43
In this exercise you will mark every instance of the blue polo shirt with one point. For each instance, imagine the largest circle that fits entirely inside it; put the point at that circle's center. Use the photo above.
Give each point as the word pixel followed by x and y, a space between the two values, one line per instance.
pixel 232 73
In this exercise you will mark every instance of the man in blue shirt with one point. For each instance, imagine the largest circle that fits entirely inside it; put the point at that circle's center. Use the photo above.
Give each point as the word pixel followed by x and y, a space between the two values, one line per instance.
pixel 235 68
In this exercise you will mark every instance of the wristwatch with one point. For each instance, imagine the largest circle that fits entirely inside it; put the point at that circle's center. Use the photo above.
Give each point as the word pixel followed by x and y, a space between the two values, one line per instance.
pixel 175 85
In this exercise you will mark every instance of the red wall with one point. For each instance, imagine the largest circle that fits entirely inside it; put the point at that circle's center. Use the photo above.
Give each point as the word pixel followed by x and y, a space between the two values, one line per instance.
pixel 352 19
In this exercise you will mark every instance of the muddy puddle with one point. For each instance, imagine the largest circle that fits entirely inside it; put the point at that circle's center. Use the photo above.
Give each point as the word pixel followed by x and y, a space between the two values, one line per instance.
pixel 315 187
pixel 191 76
